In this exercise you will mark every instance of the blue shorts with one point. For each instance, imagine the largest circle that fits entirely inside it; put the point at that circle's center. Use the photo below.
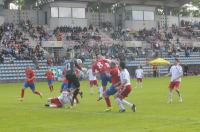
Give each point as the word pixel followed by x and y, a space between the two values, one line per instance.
pixel 64 86
pixel 50 82
pixel 110 91
pixel 71 85
pixel 105 79
pixel 29 85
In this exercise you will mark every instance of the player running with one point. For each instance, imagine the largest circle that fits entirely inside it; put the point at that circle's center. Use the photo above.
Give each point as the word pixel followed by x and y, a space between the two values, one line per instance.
pixel 92 80
pixel 50 78
pixel 176 73
pixel 29 83
pixel 124 89
pixel 115 79
pixel 102 67
pixel 139 76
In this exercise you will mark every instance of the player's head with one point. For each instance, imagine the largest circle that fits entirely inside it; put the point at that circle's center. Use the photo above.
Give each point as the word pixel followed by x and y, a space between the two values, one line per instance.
pixel 28 68
pixel 139 67
pixel 122 65
pixel 79 61
pixel 113 63
pixel 176 61
pixel 94 61
pixel 99 57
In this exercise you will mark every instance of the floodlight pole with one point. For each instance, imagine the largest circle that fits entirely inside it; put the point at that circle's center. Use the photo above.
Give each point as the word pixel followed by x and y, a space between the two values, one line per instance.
pixel 165 15
pixel 99 13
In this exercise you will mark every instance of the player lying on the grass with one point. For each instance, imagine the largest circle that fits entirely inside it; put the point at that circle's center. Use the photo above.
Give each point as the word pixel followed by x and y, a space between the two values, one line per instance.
pixel 29 83
pixel 92 80
pixel 176 72
pixel 115 79
pixel 50 78
pixel 124 89
pixel 102 67
pixel 64 99
pixel 139 76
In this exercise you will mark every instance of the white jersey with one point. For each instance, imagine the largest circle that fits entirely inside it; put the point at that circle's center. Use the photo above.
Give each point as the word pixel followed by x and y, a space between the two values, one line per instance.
pixel 139 73
pixel 176 72
pixel 65 97
pixel 91 77
pixel 125 76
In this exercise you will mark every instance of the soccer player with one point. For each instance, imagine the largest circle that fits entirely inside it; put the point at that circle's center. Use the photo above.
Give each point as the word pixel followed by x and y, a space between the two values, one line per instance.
pixel 29 82
pixel 102 67
pixel 115 79
pixel 65 81
pixel 176 72
pixel 124 89
pixel 50 77
pixel 92 80
pixel 139 76
pixel 60 101
pixel 73 80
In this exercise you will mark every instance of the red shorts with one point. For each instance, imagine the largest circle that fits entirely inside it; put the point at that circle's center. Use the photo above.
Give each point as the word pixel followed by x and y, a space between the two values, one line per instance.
pixel 124 92
pixel 56 102
pixel 93 83
pixel 139 79
pixel 174 85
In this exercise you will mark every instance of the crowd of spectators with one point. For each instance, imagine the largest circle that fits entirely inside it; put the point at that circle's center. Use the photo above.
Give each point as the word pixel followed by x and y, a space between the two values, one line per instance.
pixel 161 42
pixel 76 33
pixel 15 44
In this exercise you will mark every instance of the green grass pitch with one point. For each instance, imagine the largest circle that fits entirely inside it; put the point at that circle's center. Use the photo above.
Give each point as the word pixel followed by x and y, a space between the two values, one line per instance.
pixel 153 113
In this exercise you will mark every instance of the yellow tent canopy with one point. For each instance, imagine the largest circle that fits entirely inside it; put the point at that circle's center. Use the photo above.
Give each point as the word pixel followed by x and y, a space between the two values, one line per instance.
pixel 159 61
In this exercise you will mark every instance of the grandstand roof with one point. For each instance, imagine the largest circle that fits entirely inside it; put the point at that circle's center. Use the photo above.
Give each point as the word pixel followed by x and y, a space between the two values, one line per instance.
pixel 168 3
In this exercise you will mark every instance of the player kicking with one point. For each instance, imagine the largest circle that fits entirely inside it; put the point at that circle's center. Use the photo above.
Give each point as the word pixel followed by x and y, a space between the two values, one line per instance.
pixel 73 79
pixel 139 76
pixel 29 83
pixel 60 101
pixel 115 79
pixel 50 78
pixel 176 73
pixel 92 80
pixel 102 67
pixel 124 89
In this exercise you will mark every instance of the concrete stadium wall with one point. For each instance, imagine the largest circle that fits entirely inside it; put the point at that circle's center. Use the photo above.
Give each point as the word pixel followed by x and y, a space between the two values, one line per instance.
pixel 1 2
pixel 54 22
pixel 93 18
pixel 140 24
pixel 14 16
pixel 1 20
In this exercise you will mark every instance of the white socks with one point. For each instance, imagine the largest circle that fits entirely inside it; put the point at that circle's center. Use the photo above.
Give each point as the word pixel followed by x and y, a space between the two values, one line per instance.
pixel 170 96
pixel 138 85
pixel 53 106
pixel 120 104
pixel 127 103
pixel 100 91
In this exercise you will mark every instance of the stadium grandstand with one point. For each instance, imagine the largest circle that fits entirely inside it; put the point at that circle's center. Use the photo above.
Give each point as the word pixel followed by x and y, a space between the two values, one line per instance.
pixel 46 34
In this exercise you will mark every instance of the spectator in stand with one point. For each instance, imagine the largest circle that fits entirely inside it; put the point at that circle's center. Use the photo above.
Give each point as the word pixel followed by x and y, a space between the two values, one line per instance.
pixel 155 71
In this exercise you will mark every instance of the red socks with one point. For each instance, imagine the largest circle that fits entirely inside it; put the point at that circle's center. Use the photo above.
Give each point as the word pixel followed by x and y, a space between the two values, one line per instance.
pixel 107 99
pixel 22 93
pixel 38 93
pixel 108 102
pixel 51 88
